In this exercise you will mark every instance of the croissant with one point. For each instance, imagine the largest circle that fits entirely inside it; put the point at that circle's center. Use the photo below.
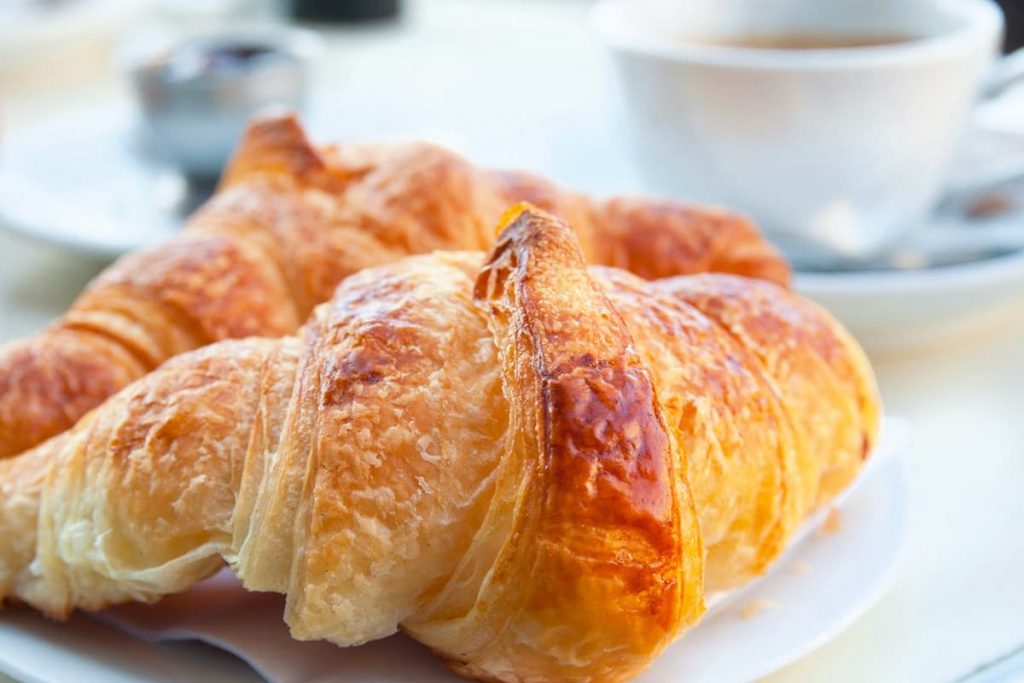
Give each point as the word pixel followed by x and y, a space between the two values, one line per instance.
pixel 535 468
pixel 289 223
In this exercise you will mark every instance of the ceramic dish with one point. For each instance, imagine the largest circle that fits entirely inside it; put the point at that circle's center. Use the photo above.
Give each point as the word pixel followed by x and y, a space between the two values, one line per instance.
pixel 891 312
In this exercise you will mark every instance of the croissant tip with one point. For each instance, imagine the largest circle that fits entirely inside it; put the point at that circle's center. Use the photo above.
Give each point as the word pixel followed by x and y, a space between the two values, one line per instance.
pixel 274 140
pixel 275 114
pixel 512 214
pixel 526 229
pixel 276 126
pixel 525 217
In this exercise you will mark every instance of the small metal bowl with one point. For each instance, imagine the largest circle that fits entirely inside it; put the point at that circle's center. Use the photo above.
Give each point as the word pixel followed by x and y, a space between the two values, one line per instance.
pixel 196 93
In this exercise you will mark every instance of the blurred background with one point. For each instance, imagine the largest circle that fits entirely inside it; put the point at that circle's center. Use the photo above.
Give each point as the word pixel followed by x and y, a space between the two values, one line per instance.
pixel 116 116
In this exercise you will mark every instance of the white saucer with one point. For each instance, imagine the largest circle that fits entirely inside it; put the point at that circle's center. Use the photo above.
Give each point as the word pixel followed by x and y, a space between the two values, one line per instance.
pixel 76 181
pixel 899 310
pixel 822 584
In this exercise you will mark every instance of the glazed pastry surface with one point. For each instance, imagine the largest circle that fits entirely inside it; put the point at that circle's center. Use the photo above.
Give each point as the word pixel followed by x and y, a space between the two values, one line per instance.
pixel 536 468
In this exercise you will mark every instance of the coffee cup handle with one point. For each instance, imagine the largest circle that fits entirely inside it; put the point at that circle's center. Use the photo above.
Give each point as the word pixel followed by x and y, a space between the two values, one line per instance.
pixel 1007 72
pixel 1008 166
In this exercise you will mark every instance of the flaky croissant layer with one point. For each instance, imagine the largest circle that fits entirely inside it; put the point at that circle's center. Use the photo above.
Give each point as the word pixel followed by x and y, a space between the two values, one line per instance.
pixel 535 468
pixel 289 223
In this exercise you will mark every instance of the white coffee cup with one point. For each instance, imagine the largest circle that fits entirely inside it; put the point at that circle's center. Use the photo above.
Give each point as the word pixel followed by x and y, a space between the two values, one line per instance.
pixel 838 150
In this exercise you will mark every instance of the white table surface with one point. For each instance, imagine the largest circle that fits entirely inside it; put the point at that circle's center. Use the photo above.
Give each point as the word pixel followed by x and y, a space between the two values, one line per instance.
pixel 959 599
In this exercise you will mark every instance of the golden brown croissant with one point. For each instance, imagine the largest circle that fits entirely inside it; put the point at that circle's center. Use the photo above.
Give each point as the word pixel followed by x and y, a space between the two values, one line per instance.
pixel 290 222
pixel 535 469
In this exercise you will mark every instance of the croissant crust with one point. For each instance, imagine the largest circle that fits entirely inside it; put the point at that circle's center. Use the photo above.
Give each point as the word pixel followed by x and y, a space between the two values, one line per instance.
pixel 536 468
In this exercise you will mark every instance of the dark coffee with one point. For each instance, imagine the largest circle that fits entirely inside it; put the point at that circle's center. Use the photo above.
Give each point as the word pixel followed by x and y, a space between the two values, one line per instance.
pixel 805 41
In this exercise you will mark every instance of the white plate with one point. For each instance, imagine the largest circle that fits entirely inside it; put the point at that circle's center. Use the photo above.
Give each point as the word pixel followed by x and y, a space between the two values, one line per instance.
pixel 822 584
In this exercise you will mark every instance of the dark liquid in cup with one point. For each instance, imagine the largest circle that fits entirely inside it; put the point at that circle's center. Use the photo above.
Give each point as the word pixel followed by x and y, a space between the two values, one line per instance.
pixel 805 41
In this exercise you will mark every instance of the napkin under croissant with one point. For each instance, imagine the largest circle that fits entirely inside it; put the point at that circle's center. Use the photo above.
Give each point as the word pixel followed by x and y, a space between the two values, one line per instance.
pixel 289 223
pixel 536 468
